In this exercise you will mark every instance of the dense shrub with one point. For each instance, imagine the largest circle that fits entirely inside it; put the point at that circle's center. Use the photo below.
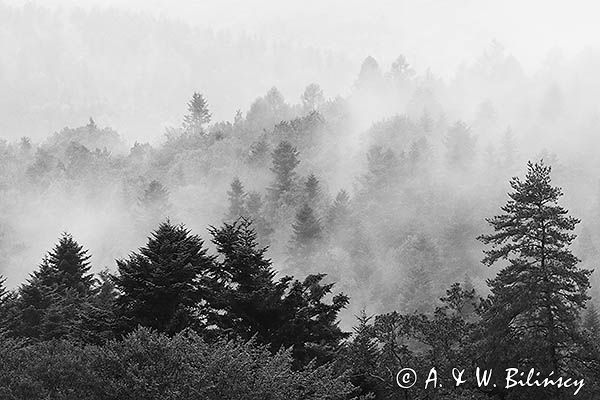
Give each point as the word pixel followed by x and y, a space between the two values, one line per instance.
pixel 148 365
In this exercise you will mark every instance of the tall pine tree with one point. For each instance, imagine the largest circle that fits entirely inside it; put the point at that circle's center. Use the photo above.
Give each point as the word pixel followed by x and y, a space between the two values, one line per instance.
pixel 532 313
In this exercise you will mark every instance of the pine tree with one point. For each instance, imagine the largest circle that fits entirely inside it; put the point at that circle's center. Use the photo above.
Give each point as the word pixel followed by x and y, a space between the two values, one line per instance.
pixel 237 198
pixel 163 284
pixel 306 234
pixel 338 215
pixel 198 114
pixel 285 313
pixel 308 323
pixel 54 298
pixel 533 310
pixel 312 97
pixel 363 355
pixel 285 160
pixel 312 190
pixel 248 297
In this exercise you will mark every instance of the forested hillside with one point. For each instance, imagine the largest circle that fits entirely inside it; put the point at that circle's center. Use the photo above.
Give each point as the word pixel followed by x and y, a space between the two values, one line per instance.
pixel 307 247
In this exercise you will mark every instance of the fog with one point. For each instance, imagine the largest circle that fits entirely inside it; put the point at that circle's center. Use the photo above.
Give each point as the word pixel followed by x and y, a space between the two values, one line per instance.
pixel 427 109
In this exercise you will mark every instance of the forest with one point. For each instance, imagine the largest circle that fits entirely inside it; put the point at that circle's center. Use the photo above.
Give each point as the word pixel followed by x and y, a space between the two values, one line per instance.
pixel 302 249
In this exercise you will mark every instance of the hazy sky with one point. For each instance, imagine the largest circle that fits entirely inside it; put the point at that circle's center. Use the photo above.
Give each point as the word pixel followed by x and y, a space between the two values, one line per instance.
pixel 432 33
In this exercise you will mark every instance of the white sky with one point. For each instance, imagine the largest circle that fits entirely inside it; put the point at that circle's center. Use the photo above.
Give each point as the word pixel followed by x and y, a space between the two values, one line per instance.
pixel 432 33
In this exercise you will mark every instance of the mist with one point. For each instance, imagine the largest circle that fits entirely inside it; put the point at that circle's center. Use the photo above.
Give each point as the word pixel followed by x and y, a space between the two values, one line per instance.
pixel 421 112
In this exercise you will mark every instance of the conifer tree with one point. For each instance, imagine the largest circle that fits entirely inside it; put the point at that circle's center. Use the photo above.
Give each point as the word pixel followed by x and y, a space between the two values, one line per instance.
pixel 338 214
pixel 248 297
pixel 312 190
pixel 237 197
pixel 163 284
pixel 285 313
pixel 198 114
pixel 363 355
pixel 285 160
pixel 534 306
pixel 306 234
pixel 54 298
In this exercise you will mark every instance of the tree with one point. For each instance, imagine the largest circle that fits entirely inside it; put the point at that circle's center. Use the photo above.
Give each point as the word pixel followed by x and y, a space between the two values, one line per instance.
pixel 54 299
pixel 312 190
pixel 363 355
pixel 162 286
pixel 285 313
pixel 338 214
pixel 198 114
pixel 532 313
pixel 237 197
pixel 312 97
pixel 285 160
pixel 306 234
pixel 248 296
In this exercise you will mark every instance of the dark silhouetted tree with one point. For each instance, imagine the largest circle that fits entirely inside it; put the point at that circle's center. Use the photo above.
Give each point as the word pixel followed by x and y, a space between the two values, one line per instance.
pixel 54 300
pixel 533 310
pixel 162 286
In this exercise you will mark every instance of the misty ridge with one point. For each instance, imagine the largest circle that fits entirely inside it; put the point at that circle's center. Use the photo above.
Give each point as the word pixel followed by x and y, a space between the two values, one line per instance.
pixel 421 161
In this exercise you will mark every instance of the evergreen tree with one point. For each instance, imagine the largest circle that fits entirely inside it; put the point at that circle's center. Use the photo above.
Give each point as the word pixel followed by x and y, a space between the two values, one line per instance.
pixel 285 160
pixel 308 324
pixel 198 114
pixel 237 198
pixel 312 190
pixel 53 300
pixel 248 297
pixel 285 313
pixel 312 97
pixel 533 310
pixel 363 355
pixel 306 234
pixel 338 214
pixel 162 285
